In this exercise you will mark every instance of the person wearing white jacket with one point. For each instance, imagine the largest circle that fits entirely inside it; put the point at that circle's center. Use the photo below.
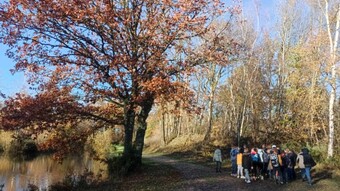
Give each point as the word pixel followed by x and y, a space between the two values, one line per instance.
pixel 301 165
pixel 218 159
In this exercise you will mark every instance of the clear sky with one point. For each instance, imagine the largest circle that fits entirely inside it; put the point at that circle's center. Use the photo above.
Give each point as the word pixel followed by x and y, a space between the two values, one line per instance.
pixel 11 84
pixel 267 11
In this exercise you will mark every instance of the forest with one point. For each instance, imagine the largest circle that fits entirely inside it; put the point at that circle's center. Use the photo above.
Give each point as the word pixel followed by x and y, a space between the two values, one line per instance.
pixel 159 73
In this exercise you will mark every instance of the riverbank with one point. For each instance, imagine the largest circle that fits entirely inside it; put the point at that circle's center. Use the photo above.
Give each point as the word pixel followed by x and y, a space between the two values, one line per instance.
pixel 43 171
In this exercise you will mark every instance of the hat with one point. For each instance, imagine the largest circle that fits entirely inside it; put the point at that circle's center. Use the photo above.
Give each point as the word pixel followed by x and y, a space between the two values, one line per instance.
pixel 273 146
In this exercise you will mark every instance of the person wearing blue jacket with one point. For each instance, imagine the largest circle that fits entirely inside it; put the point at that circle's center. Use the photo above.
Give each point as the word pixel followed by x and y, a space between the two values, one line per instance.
pixel 233 154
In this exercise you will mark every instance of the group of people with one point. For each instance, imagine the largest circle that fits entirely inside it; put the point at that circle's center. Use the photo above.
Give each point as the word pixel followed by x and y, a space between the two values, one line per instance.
pixel 267 163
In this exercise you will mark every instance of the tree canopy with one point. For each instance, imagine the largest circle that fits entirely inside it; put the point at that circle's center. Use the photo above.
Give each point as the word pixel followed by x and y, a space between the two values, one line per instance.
pixel 119 51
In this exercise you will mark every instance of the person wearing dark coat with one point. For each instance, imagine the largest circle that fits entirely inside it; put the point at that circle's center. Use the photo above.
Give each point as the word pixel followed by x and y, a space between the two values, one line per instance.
pixel 246 164
pixel 291 164
pixel 309 162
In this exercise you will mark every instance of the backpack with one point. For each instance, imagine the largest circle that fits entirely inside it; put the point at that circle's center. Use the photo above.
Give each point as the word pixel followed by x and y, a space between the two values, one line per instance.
pixel 274 160
pixel 261 153
pixel 255 157
pixel 233 154
pixel 265 157
pixel 308 160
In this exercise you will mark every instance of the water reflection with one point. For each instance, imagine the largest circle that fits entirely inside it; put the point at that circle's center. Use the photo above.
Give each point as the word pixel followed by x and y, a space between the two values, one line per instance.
pixel 43 170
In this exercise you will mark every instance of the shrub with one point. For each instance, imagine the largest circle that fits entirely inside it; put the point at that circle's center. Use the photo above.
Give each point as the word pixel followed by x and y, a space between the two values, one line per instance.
pixel 333 163
pixel 29 147
pixel 81 182
pixel 26 147
pixel 100 144
pixel 319 152
pixel 1 148
pixel 117 166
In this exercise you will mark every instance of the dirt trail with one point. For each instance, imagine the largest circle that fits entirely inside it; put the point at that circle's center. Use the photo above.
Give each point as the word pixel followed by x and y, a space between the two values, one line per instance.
pixel 196 177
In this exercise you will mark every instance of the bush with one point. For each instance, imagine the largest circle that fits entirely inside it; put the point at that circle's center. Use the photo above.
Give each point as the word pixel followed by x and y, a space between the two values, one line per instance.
pixel 1 148
pixel 74 183
pixel 26 147
pixel 100 144
pixel 333 163
pixel 117 166
pixel 30 147
pixel 319 152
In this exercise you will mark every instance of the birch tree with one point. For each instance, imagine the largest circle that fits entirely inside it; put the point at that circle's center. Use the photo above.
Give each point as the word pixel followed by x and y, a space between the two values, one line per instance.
pixel 333 37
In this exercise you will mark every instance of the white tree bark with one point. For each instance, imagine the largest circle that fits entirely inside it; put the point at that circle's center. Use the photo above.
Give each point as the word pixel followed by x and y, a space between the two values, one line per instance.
pixel 333 42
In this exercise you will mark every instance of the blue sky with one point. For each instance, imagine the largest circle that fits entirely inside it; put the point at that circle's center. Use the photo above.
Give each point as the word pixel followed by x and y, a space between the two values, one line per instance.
pixel 267 11
pixel 11 84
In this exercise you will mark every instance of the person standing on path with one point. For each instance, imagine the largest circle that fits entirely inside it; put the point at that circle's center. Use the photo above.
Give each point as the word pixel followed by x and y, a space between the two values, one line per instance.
pixel 309 162
pixel 291 165
pixel 301 165
pixel 264 158
pixel 218 159
pixel 246 164
pixel 255 164
pixel 276 162
pixel 233 153
pixel 284 167
pixel 239 164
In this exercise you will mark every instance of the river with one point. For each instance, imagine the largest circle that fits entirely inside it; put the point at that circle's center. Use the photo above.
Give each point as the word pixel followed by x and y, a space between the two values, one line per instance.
pixel 43 171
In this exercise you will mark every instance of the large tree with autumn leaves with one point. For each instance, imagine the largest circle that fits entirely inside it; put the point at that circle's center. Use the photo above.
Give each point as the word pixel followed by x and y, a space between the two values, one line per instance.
pixel 116 50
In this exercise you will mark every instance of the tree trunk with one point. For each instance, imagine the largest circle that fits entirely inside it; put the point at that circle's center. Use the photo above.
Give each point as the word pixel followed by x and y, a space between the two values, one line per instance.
pixel 141 128
pixel 331 115
pixel 210 113
pixel 163 127
pixel 333 43
pixel 127 157
pixel 240 123
pixel 180 121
